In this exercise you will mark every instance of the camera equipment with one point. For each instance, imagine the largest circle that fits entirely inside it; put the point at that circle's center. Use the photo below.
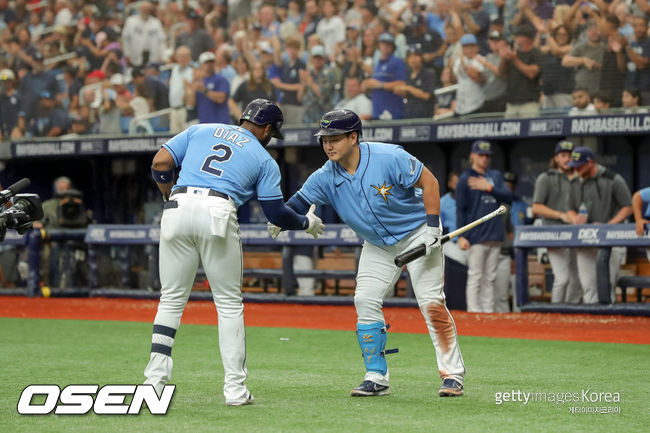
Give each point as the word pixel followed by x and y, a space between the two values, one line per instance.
pixel 25 210
pixel 71 212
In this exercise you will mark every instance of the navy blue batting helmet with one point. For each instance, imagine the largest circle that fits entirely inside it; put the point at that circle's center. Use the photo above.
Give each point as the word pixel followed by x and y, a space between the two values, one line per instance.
pixel 264 112
pixel 339 122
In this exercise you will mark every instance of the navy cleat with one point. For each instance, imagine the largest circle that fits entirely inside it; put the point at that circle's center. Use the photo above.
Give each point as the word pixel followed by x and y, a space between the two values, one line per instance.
pixel 369 389
pixel 450 388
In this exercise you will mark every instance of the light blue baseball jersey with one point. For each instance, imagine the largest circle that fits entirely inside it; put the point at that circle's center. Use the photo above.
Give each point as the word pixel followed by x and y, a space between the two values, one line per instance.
pixel 645 198
pixel 378 201
pixel 226 158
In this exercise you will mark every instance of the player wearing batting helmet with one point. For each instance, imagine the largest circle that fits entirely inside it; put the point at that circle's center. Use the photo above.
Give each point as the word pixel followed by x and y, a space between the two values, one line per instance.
pixel 372 187
pixel 222 167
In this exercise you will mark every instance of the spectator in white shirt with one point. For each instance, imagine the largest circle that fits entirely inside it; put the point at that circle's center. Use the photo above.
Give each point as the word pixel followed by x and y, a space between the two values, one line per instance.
pixel 182 72
pixel 331 29
pixel 143 37
pixel 355 100
pixel 470 76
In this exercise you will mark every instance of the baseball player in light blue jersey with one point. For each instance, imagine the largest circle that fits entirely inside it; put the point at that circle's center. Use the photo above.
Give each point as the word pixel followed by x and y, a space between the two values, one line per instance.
pixel 222 166
pixel 372 188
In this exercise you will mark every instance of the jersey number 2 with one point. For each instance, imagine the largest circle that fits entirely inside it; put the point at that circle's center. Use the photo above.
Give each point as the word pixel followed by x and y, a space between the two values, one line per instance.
pixel 224 152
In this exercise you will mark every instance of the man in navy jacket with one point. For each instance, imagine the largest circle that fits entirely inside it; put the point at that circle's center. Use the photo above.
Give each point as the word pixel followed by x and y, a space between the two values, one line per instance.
pixel 480 191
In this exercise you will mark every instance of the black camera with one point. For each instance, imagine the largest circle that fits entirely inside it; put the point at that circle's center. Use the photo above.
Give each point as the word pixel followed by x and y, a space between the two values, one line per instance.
pixel 26 209
pixel 71 212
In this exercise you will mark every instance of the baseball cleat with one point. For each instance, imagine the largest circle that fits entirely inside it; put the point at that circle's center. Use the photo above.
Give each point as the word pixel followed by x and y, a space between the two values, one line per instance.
pixel 450 388
pixel 249 400
pixel 369 389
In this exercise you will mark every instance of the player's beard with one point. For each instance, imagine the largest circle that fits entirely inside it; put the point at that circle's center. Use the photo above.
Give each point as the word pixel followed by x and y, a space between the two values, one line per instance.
pixel 266 139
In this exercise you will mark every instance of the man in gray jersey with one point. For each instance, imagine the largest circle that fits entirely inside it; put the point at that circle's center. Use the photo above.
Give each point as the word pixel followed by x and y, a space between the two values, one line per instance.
pixel 550 202
pixel 607 199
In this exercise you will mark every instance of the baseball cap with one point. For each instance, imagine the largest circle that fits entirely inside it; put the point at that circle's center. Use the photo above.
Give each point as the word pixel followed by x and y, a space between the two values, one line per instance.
pixel 509 176
pixel 418 20
pixel 563 146
pixel 414 49
pixel 207 56
pixel 387 37
pixel 7 74
pixel 191 14
pixel 268 49
pixel 45 94
pixel 38 56
pixel 318 50
pixel 118 80
pixel 137 72
pixel 482 147
pixel 353 26
pixel 525 30
pixel 468 39
pixel 580 156
pixel 495 34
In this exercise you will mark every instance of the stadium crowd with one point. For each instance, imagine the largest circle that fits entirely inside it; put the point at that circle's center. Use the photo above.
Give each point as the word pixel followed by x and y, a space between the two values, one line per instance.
pixel 80 67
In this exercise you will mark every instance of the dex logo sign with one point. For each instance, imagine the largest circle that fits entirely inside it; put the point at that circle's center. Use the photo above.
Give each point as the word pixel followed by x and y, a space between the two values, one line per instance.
pixel 81 399
pixel 588 235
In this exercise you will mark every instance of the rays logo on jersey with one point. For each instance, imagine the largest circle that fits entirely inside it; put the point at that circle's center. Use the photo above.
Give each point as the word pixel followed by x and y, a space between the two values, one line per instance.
pixel 383 190
pixel 413 163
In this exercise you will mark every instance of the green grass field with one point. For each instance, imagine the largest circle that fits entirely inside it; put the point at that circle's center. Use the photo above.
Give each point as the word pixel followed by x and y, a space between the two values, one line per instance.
pixel 302 385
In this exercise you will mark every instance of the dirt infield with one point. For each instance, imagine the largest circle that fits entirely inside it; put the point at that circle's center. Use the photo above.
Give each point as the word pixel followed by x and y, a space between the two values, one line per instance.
pixel 535 326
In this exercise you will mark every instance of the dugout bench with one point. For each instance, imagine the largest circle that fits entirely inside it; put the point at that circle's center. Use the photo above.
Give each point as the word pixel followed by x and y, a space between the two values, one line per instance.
pixel 601 236
pixel 252 234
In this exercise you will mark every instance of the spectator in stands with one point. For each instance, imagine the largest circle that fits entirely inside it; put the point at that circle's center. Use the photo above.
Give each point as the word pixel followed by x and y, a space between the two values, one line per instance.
pixel 495 85
pixel 638 52
pixel 196 38
pixel 430 41
pixel 445 102
pixel 476 21
pixel 551 204
pixel 633 101
pixel 21 51
pixel 369 46
pixel 534 13
pixel 557 80
pixel 614 70
pixel 355 100
pixel 50 121
pixel 470 76
pixel 289 81
pixel 453 33
pixel 109 113
pixel 157 91
pixel 182 72
pixel 310 19
pixel 80 125
pixel 318 84
pixel 143 37
pixel 10 104
pixel 257 86
pixel 388 73
pixel 222 63
pixel 640 200
pixel 606 199
pixel 480 191
pixel 582 105
pixel 8 18
pixel 521 66
pixel 268 21
pixel 420 84
pixel 351 64
pixel 209 92
pixel 587 58
pixel 31 86
pixel 602 102
pixel 331 28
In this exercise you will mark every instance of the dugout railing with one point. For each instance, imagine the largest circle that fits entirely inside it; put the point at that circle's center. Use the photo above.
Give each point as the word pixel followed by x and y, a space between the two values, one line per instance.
pixel 124 236
pixel 601 236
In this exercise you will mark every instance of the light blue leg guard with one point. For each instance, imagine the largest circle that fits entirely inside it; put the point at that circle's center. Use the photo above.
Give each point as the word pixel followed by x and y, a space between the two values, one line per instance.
pixel 372 340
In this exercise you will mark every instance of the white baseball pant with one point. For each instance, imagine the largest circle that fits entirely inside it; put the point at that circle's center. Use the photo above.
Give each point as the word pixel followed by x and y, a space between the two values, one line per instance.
pixel 482 263
pixel 566 285
pixel 203 228
pixel 376 278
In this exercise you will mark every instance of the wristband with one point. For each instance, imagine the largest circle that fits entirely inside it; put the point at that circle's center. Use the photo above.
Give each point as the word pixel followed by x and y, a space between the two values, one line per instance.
pixel 162 176
pixel 433 220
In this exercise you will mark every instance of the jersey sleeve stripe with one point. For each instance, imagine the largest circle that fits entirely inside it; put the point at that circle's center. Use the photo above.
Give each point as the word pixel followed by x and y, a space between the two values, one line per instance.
pixel 169 149
pixel 419 173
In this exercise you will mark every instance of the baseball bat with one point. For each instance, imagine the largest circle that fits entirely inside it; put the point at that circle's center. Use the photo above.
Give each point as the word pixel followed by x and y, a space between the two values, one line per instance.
pixel 421 250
